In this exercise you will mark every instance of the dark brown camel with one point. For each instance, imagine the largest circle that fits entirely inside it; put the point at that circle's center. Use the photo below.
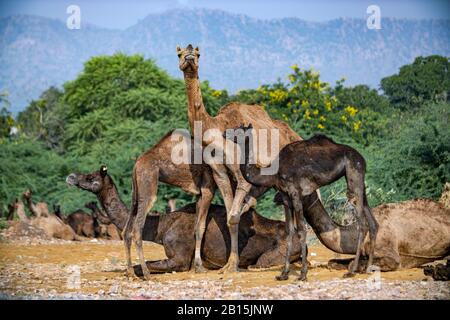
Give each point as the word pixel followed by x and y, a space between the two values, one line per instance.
pixel 81 222
pixel 156 165
pixel 103 227
pixel 261 240
pixel 322 162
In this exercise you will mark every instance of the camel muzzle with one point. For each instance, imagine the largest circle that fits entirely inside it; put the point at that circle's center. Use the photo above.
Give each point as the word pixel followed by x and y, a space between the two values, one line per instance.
pixel 72 179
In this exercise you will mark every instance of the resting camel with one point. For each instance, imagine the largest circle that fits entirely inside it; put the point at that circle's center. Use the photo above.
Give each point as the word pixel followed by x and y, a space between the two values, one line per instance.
pixel 229 116
pixel 305 166
pixel 261 240
pixel 51 224
pixel 156 165
pixel 103 227
pixel 410 233
pixel 39 209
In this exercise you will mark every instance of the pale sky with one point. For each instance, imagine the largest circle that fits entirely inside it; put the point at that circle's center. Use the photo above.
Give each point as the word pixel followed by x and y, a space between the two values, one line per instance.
pixel 120 14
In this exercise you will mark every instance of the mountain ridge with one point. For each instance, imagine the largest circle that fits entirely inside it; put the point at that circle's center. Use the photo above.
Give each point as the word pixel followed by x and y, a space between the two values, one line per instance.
pixel 238 51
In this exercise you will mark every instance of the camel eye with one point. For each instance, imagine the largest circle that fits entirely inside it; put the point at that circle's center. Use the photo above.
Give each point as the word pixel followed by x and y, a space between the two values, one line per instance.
pixel 179 55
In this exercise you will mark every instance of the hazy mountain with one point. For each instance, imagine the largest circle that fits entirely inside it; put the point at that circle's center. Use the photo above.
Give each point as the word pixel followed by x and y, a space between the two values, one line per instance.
pixel 237 51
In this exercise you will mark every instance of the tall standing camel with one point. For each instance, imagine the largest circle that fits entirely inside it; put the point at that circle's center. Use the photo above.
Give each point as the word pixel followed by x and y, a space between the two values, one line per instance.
pixel 300 176
pixel 261 240
pixel 229 116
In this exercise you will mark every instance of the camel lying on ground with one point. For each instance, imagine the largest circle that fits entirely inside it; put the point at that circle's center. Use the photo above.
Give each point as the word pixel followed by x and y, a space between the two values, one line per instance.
pixel 261 241
pixel 51 224
pixel 410 234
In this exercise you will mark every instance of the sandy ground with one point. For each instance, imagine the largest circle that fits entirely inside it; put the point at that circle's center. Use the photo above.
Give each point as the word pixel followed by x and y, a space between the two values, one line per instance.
pixel 96 270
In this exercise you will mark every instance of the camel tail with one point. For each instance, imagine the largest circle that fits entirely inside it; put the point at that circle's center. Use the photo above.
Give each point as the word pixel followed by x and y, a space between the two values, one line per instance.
pixel 134 195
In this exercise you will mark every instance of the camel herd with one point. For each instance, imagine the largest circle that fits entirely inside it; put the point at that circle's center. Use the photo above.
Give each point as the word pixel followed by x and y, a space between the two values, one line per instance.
pixel 203 236
pixel 78 225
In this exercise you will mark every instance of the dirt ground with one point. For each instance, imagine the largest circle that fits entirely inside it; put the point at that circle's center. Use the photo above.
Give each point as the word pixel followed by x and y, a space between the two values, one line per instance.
pixel 55 269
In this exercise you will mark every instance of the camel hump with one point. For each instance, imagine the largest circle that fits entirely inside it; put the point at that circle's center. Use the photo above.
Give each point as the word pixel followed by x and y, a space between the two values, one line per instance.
pixel 319 138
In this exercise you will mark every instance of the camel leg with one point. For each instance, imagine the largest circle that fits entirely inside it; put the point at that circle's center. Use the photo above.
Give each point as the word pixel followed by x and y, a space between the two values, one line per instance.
pixel 301 230
pixel 162 266
pixel 253 195
pixel 290 233
pixel 203 204
pixel 144 198
pixel 143 207
pixel 220 175
pixel 222 181
pixel 233 218
pixel 361 235
pixel 373 231
pixel 127 237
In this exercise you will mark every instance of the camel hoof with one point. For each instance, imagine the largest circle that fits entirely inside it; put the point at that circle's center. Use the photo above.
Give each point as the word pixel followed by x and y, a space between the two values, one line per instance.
pixel 349 275
pixel 229 269
pixel 130 272
pixel 200 269
pixel 302 278
pixel 282 277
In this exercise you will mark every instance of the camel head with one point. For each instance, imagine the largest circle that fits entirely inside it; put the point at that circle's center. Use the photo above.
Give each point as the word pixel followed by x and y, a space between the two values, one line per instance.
pixel 188 59
pixel 93 182
pixel 27 194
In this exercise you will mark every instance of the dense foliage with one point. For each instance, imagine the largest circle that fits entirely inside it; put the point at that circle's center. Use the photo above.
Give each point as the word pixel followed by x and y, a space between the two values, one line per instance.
pixel 121 105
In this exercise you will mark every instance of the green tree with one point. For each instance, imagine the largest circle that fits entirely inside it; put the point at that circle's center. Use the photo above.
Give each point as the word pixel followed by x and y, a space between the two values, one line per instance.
pixel 42 119
pixel 427 79
pixel 6 119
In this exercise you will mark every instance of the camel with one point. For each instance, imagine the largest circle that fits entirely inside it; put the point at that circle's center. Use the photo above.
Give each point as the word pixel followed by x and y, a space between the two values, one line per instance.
pixel 51 224
pixel 39 209
pixel 103 227
pixel 156 165
pixel 300 176
pixel 261 240
pixel 410 233
pixel 229 116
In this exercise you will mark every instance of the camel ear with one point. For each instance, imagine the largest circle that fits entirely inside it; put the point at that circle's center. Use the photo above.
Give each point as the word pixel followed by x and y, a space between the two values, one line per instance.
pixel 103 171
pixel 178 49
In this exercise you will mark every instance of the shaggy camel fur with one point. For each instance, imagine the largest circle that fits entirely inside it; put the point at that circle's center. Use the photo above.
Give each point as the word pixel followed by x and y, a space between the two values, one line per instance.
pixel 321 162
pixel 52 225
pixel 261 240
pixel 156 165
pixel 229 116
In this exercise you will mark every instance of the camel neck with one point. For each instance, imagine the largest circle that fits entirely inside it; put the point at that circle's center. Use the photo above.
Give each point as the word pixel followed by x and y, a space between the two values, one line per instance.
pixel 31 206
pixel 251 172
pixel 21 212
pixel 110 200
pixel 338 238
pixel 196 108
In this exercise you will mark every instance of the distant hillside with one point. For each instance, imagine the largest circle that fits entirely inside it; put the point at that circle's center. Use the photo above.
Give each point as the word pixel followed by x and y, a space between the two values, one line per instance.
pixel 237 51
